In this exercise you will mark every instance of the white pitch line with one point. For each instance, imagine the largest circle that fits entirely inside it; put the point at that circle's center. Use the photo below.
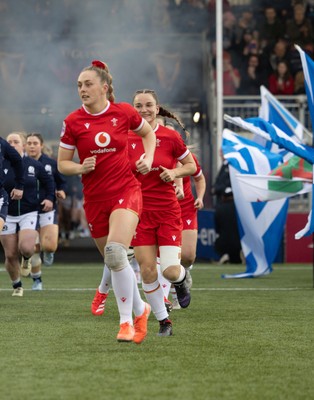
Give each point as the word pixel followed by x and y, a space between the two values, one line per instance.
pixel 211 267
pixel 193 289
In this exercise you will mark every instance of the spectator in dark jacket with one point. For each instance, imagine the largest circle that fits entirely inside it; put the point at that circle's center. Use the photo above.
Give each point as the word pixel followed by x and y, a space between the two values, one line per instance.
pixel 299 29
pixel 252 77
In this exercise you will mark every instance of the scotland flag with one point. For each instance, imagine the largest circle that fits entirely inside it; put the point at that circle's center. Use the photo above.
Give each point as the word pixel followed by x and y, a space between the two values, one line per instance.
pixel 290 143
pixel 299 149
pixel 261 225
pixel 258 131
pixel 308 71
pixel 275 112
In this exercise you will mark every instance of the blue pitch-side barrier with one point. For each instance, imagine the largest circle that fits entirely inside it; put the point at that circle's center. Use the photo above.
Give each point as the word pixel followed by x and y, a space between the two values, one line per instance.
pixel 206 235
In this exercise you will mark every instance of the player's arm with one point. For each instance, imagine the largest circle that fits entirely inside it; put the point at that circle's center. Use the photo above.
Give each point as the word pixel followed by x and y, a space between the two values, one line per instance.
pixel 67 166
pixel 187 168
pixel 200 188
pixel 178 183
pixel 149 143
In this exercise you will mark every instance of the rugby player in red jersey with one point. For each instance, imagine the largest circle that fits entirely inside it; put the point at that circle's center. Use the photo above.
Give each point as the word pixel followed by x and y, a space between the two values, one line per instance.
pixel 113 198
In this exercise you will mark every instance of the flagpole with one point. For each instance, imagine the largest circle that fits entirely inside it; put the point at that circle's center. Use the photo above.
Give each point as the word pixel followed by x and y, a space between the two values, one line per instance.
pixel 308 72
pixel 313 232
pixel 219 80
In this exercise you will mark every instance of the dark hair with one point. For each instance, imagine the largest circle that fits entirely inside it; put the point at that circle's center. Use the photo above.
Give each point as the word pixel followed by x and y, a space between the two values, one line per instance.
pixel 102 71
pixel 287 73
pixel 38 135
pixel 163 112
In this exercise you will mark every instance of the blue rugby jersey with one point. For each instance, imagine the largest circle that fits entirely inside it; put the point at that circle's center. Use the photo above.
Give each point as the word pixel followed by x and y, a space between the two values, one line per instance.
pixel 7 152
pixel 50 166
pixel 34 174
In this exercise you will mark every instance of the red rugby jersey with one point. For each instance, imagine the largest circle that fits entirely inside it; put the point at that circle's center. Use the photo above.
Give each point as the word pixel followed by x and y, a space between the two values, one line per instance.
pixel 170 148
pixel 188 202
pixel 106 136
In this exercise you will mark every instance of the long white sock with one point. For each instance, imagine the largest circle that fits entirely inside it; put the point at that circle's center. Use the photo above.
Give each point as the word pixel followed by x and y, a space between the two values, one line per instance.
pixel 155 297
pixel 123 287
pixel 105 280
pixel 165 284
pixel 138 302
pixel 136 269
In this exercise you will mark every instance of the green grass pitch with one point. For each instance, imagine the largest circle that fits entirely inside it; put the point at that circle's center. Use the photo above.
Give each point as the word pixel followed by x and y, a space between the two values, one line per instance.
pixel 239 339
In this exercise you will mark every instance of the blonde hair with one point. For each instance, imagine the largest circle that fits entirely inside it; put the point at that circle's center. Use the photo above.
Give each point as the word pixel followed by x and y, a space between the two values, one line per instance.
pixel 102 71
pixel 22 135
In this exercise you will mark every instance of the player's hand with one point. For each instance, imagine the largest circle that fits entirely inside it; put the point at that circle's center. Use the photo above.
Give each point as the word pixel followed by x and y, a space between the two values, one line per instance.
pixel 167 175
pixel 198 204
pixel 47 205
pixel 179 192
pixel 143 165
pixel 89 164
pixel 60 194
pixel 16 194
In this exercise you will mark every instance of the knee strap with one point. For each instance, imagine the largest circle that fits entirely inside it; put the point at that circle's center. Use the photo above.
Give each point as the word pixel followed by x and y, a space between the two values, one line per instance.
pixel 169 255
pixel 116 256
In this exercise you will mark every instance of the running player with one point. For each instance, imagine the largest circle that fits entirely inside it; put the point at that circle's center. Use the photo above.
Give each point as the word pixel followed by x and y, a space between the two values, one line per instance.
pixel 112 195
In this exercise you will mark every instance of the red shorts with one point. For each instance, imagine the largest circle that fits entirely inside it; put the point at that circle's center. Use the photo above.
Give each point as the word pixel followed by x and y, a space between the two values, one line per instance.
pixel 98 213
pixel 189 218
pixel 161 228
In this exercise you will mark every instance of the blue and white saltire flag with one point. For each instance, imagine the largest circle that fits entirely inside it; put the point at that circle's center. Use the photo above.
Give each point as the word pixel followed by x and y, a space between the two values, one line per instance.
pixel 309 227
pixel 308 72
pixel 290 143
pixel 261 224
pixel 299 149
pixel 272 110
pixel 258 131
pixel 263 187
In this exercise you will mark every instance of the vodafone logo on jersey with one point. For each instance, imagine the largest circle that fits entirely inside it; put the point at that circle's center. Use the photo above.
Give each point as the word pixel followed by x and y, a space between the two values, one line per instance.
pixel 102 139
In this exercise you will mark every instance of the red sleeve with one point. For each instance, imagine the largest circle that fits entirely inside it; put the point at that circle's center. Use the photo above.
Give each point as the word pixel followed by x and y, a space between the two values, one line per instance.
pixel 289 86
pixel 198 171
pixel 272 83
pixel 135 120
pixel 67 139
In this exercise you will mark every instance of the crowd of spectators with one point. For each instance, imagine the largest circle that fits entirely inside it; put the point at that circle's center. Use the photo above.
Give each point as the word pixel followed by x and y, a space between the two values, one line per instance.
pixel 258 39
pixel 259 46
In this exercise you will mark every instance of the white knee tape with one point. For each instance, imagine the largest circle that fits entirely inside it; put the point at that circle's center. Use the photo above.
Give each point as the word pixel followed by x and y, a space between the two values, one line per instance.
pixel 116 256
pixel 169 255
